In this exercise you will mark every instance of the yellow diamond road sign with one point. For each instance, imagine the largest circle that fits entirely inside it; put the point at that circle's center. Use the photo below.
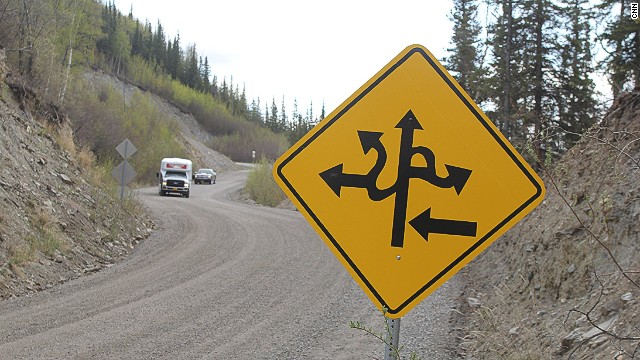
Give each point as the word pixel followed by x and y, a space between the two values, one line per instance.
pixel 407 181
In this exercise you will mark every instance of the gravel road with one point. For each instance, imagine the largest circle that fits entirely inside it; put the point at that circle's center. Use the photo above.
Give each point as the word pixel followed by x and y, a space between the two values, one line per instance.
pixel 218 279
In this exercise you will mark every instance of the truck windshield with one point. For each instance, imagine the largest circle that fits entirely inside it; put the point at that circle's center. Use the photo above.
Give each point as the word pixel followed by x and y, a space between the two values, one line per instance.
pixel 176 174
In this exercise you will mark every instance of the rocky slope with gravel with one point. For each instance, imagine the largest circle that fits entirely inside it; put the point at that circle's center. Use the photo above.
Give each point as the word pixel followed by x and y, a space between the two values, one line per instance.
pixel 564 283
pixel 59 220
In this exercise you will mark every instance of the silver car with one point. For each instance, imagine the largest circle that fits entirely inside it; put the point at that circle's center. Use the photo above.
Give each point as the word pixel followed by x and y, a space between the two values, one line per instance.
pixel 205 176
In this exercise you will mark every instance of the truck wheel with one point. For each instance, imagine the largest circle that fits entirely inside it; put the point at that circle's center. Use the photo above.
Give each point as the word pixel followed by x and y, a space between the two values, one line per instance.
pixel 186 195
pixel 161 192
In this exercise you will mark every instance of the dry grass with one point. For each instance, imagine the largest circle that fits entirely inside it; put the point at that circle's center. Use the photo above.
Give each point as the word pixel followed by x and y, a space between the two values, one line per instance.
pixel 46 237
pixel 64 138
pixel 21 254
pixel 86 158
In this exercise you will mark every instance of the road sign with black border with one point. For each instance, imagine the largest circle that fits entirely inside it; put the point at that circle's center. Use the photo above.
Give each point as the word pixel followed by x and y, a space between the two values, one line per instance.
pixel 407 181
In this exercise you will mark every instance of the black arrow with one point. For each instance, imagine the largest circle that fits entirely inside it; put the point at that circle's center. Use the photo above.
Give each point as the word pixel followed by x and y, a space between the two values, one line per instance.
pixel 424 224
pixel 457 177
pixel 408 124
pixel 337 179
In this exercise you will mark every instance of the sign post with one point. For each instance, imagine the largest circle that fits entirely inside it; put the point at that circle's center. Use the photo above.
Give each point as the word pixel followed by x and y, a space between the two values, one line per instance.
pixel 393 339
pixel 407 181
pixel 124 173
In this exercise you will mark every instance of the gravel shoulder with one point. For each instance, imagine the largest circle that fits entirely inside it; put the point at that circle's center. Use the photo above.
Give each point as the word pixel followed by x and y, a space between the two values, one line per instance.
pixel 217 279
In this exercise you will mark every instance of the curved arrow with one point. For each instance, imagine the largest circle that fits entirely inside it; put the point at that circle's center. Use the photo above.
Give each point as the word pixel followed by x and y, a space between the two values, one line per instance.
pixel 424 224
pixel 456 179
pixel 337 179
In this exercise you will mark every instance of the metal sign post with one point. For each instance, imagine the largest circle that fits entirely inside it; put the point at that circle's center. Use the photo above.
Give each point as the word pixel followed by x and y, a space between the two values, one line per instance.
pixel 393 339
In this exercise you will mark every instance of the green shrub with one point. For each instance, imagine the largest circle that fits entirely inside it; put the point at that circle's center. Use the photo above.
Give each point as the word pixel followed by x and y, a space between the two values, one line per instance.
pixel 261 186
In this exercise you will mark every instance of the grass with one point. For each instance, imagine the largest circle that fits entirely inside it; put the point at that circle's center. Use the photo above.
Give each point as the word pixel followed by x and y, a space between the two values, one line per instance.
pixel 19 255
pixel 46 239
pixel 261 187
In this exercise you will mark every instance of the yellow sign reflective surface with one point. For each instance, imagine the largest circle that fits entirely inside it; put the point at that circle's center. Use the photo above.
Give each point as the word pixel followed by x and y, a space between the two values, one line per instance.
pixel 407 181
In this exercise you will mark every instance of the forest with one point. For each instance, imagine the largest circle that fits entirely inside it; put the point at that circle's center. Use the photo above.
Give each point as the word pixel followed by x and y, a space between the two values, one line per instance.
pixel 530 65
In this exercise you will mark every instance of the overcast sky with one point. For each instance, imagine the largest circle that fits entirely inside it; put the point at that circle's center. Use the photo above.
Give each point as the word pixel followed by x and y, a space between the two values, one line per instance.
pixel 320 51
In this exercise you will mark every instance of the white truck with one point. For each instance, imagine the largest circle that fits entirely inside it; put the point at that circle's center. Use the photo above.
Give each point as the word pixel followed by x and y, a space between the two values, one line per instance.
pixel 175 176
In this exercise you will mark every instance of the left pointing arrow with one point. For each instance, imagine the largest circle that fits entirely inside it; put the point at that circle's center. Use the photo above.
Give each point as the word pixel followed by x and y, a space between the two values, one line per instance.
pixel 336 179
pixel 424 224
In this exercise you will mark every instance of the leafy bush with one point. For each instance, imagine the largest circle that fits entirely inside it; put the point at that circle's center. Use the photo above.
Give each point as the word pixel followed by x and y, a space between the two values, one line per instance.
pixel 261 186
pixel 235 136
pixel 102 121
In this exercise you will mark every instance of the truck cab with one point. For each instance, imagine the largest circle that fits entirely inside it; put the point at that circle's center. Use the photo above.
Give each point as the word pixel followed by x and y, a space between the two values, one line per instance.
pixel 175 176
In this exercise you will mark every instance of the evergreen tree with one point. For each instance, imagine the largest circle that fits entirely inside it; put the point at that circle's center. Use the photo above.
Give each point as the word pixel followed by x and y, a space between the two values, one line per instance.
pixel 274 124
pixel 539 52
pixel 137 43
pixel 174 58
pixel 465 60
pixel 577 107
pixel 205 74
pixel 254 113
pixel 215 91
pixel 282 120
pixel 322 113
pixel 241 103
pixel 622 36
pixel 191 74
pixel 224 91
pixel 158 47
pixel 116 44
pixel 509 83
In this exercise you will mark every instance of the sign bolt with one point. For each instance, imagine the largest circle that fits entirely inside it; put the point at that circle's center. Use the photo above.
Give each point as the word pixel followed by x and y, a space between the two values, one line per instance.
pixel 398 257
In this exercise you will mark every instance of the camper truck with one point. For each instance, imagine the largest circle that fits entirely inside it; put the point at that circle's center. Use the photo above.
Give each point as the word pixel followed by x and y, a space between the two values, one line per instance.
pixel 175 176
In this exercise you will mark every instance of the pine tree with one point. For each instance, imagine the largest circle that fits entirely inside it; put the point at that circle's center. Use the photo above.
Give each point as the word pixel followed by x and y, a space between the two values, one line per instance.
pixel 577 107
pixel 505 87
pixel 283 122
pixel 539 52
pixel 622 36
pixel 191 76
pixel 174 58
pixel 243 108
pixel 273 118
pixel 137 44
pixel 205 74
pixel 254 113
pixel 215 90
pixel 466 58
pixel 158 47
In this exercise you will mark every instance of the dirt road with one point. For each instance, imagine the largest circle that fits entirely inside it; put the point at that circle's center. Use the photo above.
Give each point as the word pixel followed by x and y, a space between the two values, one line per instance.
pixel 219 279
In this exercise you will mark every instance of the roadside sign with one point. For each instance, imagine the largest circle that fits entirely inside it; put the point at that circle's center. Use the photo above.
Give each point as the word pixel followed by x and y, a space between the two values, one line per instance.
pixel 407 181
pixel 126 149
pixel 124 172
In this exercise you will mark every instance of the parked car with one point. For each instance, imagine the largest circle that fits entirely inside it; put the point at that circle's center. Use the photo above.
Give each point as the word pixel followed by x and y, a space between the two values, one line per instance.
pixel 205 176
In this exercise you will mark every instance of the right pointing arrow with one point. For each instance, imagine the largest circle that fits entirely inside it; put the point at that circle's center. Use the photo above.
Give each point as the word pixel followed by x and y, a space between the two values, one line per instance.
pixel 424 224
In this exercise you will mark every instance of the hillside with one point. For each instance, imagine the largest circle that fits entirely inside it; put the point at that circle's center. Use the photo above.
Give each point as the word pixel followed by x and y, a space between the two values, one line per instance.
pixel 564 283
pixel 60 216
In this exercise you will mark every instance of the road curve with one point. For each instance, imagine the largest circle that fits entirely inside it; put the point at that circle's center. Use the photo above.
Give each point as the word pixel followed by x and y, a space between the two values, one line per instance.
pixel 219 279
